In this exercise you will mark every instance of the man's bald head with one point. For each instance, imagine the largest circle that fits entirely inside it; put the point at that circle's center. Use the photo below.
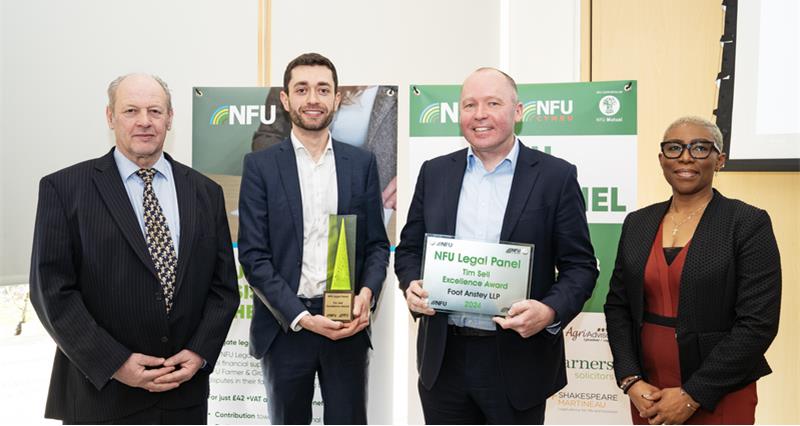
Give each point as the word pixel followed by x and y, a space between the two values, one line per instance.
pixel 511 82
pixel 114 85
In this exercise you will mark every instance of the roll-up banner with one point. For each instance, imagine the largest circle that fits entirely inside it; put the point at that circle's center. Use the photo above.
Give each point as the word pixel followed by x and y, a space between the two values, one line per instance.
pixel 593 126
pixel 229 122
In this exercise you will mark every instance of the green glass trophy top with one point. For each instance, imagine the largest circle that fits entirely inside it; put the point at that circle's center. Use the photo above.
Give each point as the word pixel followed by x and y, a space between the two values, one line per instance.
pixel 341 266
pixel 338 297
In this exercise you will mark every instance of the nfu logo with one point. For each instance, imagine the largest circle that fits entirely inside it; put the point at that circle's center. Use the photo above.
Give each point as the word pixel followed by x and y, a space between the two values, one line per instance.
pixel 517 250
pixel 609 105
pixel 439 112
pixel 547 110
pixel 441 244
pixel 242 115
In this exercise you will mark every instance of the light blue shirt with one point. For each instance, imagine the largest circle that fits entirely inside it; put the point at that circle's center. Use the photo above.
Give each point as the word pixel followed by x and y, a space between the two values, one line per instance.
pixel 481 208
pixel 163 186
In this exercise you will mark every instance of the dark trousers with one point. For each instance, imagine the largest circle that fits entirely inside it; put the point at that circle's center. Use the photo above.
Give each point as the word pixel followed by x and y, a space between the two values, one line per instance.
pixel 469 388
pixel 195 415
pixel 289 368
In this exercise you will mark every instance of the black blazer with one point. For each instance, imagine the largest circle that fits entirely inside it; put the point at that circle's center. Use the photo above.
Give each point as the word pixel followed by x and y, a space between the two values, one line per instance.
pixel 545 207
pixel 95 288
pixel 271 232
pixel 729 303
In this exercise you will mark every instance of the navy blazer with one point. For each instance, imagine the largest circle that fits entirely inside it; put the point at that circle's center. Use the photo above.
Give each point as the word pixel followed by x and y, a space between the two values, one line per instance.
pixel 546 208
pixel 729 302
pixel 96 290
pixel 271 232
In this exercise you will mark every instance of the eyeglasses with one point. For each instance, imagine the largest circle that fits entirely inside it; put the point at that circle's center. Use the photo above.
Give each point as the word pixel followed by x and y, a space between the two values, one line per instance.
pixel 699 149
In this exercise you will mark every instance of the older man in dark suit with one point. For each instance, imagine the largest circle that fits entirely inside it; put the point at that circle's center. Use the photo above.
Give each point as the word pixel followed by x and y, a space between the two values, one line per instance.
pixel 132 273
pixel 473 368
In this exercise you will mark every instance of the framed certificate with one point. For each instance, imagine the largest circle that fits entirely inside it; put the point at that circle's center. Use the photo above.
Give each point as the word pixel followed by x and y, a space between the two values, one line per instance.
pixel 475 276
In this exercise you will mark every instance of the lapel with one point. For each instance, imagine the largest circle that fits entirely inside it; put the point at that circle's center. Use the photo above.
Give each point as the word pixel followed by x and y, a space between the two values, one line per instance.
pixel 647 234
pixel 187 207
pixel 455 178
pixel 647 229
pixel 115 197
pixel 344 174
pixel 525 175
pixel 644 232
pixel 701 243
pixel 287 167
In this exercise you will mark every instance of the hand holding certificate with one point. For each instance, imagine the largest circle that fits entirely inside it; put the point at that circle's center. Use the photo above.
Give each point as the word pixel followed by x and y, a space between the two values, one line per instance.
pixel 473 276
pixel 527 317
pixel 417 299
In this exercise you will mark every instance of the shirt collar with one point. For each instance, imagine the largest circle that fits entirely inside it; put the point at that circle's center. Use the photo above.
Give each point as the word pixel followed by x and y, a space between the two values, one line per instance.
pixel 511 158
pixel 297 145
pixel 126 167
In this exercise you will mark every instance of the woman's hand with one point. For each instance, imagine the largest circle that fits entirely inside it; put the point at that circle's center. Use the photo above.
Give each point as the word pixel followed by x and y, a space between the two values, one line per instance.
pixel 672 406
pixel 641 395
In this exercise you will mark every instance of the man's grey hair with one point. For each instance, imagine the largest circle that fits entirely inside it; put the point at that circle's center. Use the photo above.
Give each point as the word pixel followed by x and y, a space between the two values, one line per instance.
pixel 114 85
pixel 700 122
pixel 507 77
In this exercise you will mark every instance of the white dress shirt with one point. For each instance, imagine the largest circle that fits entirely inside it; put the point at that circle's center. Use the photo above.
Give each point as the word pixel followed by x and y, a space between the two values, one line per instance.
pixel 319 198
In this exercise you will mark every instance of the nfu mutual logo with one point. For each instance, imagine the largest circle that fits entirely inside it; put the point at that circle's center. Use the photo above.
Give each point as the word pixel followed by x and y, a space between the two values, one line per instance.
pixel 609 105
pixel 439 113
pixel 242 115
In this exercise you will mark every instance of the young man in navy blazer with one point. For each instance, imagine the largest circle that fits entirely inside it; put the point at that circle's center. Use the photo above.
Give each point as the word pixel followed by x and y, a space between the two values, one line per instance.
pixel 288 192
pixel 476 369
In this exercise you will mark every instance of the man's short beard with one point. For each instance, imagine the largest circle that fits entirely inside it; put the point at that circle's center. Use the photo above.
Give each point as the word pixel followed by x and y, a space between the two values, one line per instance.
pixel 297 120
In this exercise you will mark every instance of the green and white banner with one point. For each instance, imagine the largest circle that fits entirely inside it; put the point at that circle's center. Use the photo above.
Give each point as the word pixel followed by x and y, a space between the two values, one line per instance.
pixel 237 386
pixel 591 125
pixel 229 122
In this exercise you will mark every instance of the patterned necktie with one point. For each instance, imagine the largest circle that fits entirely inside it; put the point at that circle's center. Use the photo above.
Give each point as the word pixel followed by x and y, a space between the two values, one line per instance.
pixel 159 239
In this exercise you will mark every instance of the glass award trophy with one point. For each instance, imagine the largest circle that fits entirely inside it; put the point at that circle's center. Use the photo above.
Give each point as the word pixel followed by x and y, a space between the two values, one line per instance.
pixel 337 303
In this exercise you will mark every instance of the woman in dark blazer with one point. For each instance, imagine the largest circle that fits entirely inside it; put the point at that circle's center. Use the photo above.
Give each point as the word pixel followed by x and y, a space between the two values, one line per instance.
pixel 694 298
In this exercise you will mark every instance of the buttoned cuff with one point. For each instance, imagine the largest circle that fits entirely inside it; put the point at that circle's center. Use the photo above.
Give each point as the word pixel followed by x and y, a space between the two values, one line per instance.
pixel 295 325
pixel 554 328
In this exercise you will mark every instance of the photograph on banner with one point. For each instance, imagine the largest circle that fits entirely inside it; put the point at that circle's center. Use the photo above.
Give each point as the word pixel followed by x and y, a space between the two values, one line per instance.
pixel 593 126
pixel 229 122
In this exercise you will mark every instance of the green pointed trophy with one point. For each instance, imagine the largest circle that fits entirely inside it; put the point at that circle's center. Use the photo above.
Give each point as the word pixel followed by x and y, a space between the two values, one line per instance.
pixel 338 297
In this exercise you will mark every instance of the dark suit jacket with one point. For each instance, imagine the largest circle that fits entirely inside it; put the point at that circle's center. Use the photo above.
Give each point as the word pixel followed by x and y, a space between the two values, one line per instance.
pixel 729 303
pixel 545 208
pixel 271 232
pixel 95 288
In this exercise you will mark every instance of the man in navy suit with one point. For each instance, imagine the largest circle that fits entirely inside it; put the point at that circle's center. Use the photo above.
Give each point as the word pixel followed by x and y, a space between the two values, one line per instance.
pixel 477 369
pixel 288 192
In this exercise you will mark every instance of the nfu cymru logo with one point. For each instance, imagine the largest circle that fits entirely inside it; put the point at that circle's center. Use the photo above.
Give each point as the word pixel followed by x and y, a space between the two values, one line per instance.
pixel 439 113
pixel 242 115
pixel 549 110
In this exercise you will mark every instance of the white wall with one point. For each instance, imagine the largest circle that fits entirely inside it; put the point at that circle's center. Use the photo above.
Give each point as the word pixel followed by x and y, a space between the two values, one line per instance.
pixel 57 60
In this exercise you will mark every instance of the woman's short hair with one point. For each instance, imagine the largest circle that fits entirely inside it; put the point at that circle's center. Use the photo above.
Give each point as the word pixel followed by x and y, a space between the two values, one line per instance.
pixel 701 122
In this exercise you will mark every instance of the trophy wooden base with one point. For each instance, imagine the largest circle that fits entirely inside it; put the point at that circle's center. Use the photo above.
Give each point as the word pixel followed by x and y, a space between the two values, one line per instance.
pixel 338 305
